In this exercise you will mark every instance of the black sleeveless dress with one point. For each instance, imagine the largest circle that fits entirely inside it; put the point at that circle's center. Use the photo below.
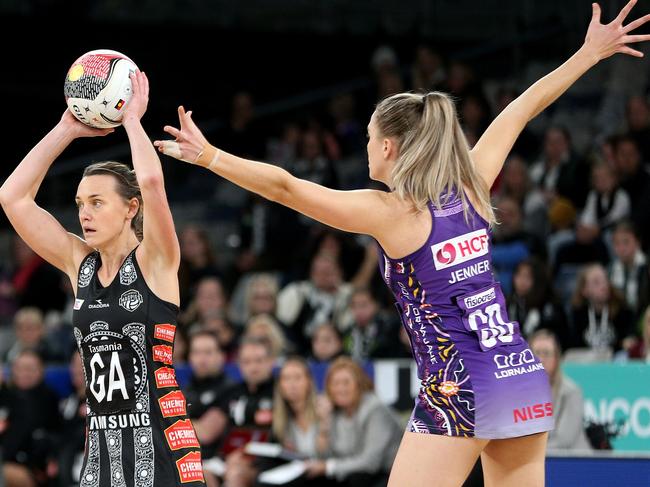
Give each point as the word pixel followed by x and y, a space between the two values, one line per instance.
pixel 137 430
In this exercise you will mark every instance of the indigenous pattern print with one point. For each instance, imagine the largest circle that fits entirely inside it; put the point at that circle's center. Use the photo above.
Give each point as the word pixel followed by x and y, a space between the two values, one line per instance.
pixel 125 338
pixel 466 349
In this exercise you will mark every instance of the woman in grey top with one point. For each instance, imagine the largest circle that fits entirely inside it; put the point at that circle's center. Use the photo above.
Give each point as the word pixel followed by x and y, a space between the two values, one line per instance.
pixel 569 432
pixel 363 434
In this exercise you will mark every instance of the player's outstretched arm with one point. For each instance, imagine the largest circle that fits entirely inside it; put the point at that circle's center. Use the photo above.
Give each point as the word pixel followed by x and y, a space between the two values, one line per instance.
pixel 159 236
pixel 360 211
pixel 38 228
pixel 601 41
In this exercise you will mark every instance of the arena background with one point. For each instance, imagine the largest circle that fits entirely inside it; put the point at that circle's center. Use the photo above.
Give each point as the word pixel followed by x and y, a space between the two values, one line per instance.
pixel 293 57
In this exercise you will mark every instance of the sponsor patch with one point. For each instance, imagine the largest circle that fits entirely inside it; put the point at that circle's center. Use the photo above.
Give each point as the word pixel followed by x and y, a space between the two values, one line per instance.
pixel 480 298
pixel 165 332
pixel 460 249
pixel 172 404
pixel 181 435
pixel 165 377
pixel 162 353
pixel 190 468
pixel 78 303
pixel 536 411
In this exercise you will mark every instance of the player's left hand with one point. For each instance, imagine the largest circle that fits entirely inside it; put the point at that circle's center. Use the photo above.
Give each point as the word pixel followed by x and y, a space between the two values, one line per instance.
pixel 189 142
pixel 604 40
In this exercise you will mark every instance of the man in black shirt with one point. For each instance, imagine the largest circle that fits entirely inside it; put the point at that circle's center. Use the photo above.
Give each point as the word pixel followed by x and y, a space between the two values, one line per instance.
pixel 249 406
pixel 206 389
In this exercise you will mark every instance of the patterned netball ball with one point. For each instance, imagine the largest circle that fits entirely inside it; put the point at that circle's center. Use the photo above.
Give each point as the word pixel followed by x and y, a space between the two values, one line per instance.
pixel 98 88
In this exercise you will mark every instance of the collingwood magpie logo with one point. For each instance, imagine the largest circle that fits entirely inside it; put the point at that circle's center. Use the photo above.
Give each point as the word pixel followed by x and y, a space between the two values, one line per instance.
pixel 131 300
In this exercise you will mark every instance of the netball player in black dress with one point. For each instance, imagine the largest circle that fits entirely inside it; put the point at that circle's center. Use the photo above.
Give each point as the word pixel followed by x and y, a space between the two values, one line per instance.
pixel 124 270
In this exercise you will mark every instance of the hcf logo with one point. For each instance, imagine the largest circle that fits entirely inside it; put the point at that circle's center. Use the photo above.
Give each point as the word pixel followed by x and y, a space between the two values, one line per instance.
pixel 460 249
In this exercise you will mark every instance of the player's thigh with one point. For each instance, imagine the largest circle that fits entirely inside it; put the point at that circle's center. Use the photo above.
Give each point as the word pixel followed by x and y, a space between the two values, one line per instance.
pixel 516 462
pixel 434 460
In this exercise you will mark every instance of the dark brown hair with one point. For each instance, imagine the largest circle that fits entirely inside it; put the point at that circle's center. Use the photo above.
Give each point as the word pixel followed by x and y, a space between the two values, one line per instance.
pixel 127 186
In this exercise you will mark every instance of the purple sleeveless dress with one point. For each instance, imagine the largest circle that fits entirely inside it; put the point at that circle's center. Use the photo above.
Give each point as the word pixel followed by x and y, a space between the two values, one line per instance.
pixel 478 376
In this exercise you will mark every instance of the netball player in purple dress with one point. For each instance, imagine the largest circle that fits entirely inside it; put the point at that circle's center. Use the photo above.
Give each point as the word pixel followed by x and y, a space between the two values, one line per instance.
pixel 482 390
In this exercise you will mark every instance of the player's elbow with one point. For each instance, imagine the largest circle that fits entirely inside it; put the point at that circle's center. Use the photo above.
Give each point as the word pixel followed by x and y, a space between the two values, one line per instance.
pixel 280 191
pixel 153 182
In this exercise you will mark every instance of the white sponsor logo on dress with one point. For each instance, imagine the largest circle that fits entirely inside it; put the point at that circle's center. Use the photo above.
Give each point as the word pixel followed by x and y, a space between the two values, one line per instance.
pixel 460 249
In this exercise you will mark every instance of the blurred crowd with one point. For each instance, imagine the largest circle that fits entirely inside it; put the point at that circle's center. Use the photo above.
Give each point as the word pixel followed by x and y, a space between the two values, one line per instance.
pixel 569 251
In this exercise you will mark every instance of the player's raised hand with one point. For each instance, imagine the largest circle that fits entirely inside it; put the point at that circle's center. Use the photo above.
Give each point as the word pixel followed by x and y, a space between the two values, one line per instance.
pixel 79 129
pixel 137 105
pixel 188 144
pixel 604 40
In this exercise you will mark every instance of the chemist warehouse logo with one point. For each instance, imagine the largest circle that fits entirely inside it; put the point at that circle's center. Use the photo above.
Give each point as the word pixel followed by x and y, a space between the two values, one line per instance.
pixel 460 249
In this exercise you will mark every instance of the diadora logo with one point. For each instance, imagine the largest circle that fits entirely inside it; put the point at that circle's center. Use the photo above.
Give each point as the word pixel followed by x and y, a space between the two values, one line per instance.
pixel 98 304
pixel 536 411
pixel 480 298
pixel 460 249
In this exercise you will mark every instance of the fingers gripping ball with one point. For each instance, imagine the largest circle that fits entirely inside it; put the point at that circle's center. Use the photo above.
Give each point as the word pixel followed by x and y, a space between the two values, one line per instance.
pixel 97 87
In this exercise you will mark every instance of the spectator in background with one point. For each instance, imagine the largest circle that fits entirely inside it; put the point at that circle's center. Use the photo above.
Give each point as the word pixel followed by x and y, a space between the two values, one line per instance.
pixel 28 448
pixel 181 346
pixel 461 80
pixel 559 172
pixel 527 144
pixel 35 282
pixel 635 180
pixel 299 425
pixel 312 163
pixel 347 129
pixel 428 71
pixel 637 115
pixel 205 390
pixel 363 435
pixel 73 431
pixel 533 303
pixel 283 150
pixel 197 261
pixel 249 407
pixel 209 298
pixel 606 204
pixel 242 134
pixel 261 296
pixel 30 334
pixel 600 318
pixel 302 305
pixel 474 113
pixel 568 405
pixel 265 328
pixel 628 271
pixel 326 344
pixel 373 334
pixel 218 323
pixel 515 183
pixel 511 243
pixel 641 349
